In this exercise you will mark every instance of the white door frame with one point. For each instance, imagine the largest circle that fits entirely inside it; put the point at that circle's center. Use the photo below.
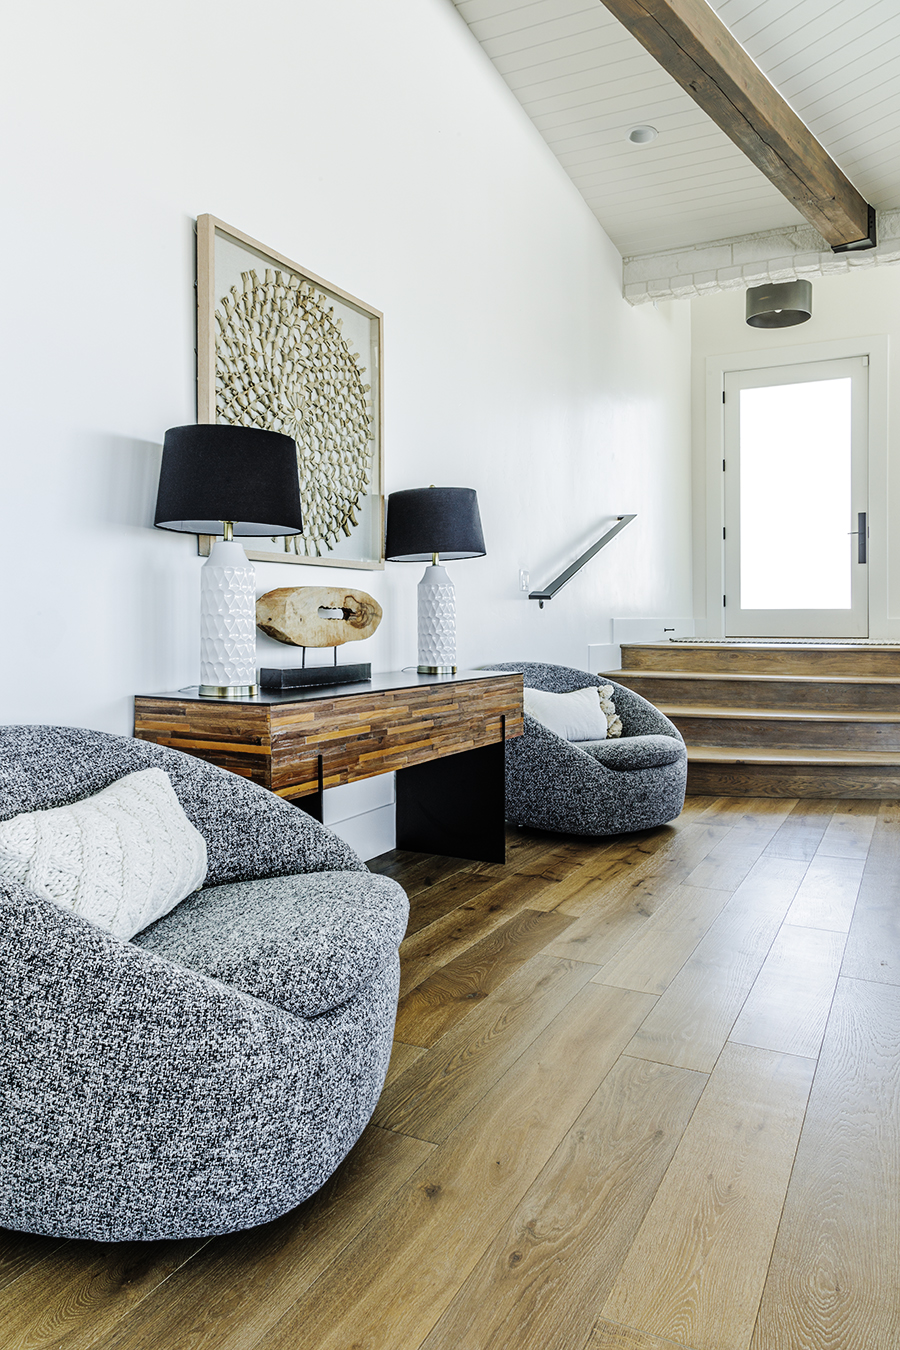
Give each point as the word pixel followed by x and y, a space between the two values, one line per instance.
pixel 762 621
pixel 876 349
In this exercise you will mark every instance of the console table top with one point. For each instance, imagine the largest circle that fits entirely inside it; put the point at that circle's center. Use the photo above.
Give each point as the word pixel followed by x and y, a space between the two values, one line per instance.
pixel 392 679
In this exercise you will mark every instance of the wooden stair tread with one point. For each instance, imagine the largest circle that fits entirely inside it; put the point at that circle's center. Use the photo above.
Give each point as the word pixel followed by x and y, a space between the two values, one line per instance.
pixel 774 714
pixel 724 754
pixel 772 644
pixel 744 675
pixel 766 658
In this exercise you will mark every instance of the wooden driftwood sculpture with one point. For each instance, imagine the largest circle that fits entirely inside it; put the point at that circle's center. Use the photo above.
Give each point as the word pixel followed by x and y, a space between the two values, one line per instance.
pixel 317 616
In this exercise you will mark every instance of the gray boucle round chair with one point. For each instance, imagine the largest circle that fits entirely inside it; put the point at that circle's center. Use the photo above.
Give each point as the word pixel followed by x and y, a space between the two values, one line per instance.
pixel 594 787
pixel 212 1072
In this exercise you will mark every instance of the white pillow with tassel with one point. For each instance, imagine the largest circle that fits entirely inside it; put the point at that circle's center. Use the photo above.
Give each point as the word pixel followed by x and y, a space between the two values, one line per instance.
pixel 578 716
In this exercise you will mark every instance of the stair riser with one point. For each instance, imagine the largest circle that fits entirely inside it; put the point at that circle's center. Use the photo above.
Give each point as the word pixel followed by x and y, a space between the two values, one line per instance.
pixel 786 780
pixel 818 695
pixel 789 735
pixel 759 661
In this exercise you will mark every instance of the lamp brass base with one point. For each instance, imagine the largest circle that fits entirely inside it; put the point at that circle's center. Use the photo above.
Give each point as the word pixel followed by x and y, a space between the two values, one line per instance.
pixel 228 690
pixel 436 670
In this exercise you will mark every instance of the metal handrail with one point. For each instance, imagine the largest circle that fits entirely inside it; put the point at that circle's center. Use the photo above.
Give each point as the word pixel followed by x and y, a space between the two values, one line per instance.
pixel 555 586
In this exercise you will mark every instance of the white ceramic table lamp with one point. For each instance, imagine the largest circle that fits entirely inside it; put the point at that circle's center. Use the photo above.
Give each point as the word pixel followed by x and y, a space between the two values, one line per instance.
pixel 232 481
pixel 427 525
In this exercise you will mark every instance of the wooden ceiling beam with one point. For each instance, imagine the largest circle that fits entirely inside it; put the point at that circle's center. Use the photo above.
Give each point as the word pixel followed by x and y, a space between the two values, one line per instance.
pixel 690 41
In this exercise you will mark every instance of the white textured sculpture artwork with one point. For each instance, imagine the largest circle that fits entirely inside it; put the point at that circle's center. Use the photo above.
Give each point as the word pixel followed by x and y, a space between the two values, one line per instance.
pixel 282 364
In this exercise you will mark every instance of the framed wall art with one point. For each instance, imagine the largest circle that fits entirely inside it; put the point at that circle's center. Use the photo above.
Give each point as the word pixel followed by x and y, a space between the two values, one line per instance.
pixel 281 349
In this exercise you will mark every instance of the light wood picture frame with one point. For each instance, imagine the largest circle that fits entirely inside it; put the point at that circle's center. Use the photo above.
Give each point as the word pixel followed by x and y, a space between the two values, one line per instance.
pixel 280 348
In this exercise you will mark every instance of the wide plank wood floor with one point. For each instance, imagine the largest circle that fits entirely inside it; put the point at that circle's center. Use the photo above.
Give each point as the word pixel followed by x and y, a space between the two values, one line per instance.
pixel 645 1095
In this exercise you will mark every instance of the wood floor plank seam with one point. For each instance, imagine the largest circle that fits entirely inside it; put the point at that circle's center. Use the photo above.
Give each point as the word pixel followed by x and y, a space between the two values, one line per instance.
pixel 679 853
pixel 612 1159
pixel 24 1262
pixel 631 1051
pixel 873 943
pixel 103 1340
pixel 712 1223
pixel 786 931
pixel 456 879
pixel 650 1342
pixel 775 1235
pixel 633 953
pixel 787 1188
pixel 833 1273
pixel 452 935
pixel 876 984
pixel 755 935
pixel 793 1162
pixel 407 1134
pixel 409 1045
pixel 447 1108
pixel 449 993
pixel 126 1283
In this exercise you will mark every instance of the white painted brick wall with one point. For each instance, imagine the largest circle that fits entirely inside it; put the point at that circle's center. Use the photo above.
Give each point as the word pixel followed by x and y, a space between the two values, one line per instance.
pixel 750 260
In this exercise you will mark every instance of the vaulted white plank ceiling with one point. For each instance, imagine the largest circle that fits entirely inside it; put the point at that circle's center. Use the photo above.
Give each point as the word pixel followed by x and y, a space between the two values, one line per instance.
pixel 585 82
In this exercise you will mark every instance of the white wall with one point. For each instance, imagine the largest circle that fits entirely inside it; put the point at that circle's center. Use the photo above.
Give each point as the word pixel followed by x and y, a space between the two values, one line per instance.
pixel 857 313
pixel 375 144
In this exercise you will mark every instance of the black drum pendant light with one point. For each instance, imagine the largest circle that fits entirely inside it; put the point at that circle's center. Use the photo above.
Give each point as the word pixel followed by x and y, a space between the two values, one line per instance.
pixel 780 306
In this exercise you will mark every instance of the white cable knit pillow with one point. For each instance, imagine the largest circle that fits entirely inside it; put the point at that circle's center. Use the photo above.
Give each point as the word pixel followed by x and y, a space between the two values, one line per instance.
pixel 119 859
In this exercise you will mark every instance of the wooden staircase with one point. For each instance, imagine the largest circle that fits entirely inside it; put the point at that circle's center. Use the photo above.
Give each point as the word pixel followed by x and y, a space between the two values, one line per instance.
pixel 764 719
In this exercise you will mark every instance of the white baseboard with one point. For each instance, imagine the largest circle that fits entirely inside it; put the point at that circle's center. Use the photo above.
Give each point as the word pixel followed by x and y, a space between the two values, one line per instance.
pixel 362 814
pixel 369 834
pixel 356 799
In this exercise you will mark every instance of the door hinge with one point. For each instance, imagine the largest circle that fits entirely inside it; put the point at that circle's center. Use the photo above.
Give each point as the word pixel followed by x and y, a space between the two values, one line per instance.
pixel 723 395
pixel 723 466
pixel 723 531
pixel 723 601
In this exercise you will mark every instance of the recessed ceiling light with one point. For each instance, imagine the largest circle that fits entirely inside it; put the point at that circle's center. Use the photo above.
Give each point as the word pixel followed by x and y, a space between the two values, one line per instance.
pixel 642 135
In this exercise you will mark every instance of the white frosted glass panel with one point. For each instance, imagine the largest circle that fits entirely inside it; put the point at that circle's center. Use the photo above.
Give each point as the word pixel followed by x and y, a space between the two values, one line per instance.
pixel 795 496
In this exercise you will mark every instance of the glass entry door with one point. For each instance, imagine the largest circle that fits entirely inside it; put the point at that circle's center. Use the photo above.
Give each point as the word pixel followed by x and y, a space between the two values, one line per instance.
pixel 796 538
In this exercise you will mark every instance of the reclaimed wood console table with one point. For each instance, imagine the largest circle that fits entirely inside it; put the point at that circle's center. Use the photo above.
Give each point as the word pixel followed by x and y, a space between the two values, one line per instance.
pixel 443 735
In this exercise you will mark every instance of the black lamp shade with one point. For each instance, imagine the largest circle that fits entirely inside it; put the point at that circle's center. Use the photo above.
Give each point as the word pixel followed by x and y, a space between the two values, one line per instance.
pixel 423 521
pixel 214 473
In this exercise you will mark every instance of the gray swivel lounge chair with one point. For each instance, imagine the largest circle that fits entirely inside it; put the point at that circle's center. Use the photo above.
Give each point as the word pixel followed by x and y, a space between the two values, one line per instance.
pixel 594 787
pixel 211 1073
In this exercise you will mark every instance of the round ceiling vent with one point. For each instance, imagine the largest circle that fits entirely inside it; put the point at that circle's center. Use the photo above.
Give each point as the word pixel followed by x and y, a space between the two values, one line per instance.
pixel 642 135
